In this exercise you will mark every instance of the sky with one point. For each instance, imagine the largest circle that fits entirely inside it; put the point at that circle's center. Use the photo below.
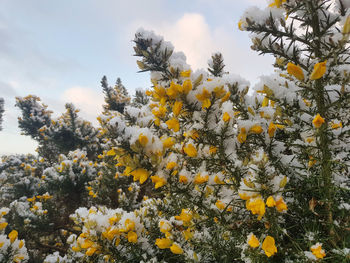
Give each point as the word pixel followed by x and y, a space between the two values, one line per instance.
pixel 59 50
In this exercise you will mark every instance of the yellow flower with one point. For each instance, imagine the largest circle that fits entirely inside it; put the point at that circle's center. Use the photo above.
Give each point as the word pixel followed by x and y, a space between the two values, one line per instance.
pixel 163 243
pixel 318 121
pixel 217 180
pixel 158 181
pixel 129 225
pixel 242 136
pixel 185 74
pixel 190 150
pixel 171 165
pixel 295 71
pixel 127 170
pixel 164 226
pixel 256 129
pixel 200 179
pixel 219 91
pixel 277 3
pixel 160 112
pixel 113 219
pixel 312 161
pixel 18 258
pixel 272 129
pixel 183 179
pixel 226 117
pixel 3 225
pixel 269 246
pixel 159 93
pixel 213 149
pixel 143 140
pixel 310 139
pixel 270 202
pixel 168 142
pixel 187 86
pixel 177 107
pixel 87 243
pixel 188 234
pixel 173 90
pixel 110 234
pixel 21 244
pixel 176 249
pixel 281 205
pixel 173 124
pixel 185 216
pixel 132 237
pixel 337 125
pixel 220 205
pixel 318 251
pixel 319 70
pixel 253 241
pixel 256 206
pixel 242 25
pixel 140 174
pixel 90 251
pixel 13 235
pixel 244 196
pixel 204 98
pixel 111 152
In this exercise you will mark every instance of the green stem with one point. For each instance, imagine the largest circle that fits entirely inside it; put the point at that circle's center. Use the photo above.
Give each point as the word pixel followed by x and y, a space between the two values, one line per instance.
pixel 325 158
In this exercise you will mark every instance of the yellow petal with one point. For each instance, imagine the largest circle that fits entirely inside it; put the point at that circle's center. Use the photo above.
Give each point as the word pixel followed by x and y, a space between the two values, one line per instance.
pixel 163 243
pixel 177 108
pixel 190 150
pixel 257 129
pixel 168 142
pixel 269 246
pixel 176 249
pixel 132 237
pixel 226 117
pixel 317 251
pixel 281 205
pixel 318 121
pixel 143 140
pixel 319 70
pixel 173 124
pixel 220 205
pixel 185 74
pixel 295 70
pixel 253 241
pixel 13 235
pixel 270 202
pixel 187 86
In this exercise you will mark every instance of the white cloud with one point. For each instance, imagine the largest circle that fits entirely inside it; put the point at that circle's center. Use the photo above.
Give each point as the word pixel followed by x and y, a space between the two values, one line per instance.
pixel 86 99
pixel 193 35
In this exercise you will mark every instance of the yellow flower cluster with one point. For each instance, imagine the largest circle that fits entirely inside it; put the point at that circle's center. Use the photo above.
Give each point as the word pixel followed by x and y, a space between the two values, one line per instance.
pixel 167 242
pixel 317 73
pixel 89 242
pixel 268 244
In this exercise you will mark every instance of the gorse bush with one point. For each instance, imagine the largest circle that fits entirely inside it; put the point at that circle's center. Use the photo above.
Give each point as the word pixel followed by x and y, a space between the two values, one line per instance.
pixel 201 167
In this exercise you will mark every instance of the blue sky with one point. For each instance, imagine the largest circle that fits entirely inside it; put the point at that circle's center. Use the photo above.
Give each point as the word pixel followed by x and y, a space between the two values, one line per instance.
pixel 59 50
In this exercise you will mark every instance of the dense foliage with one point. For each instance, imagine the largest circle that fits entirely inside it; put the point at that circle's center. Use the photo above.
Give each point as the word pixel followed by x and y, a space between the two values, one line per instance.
pixel 201 167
